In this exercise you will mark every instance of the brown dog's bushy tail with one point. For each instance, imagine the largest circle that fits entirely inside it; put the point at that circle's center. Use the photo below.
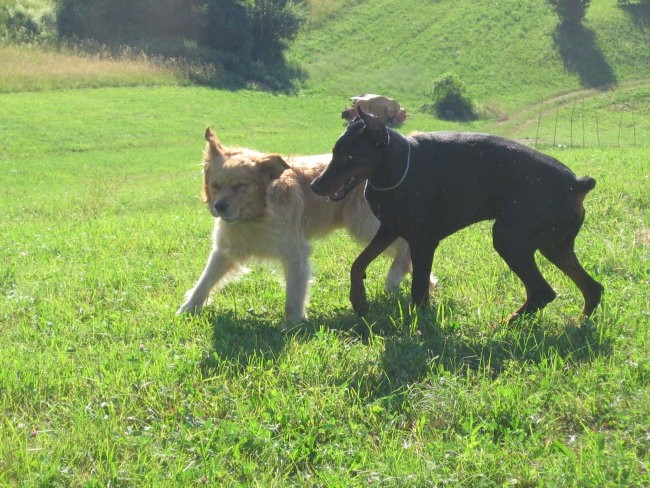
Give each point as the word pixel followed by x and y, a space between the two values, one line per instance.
pixel 584 185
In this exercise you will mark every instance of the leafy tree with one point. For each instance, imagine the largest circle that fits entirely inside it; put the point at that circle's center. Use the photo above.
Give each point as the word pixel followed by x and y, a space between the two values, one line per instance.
pixel 570 12
pixel 226 27
pixel 274 23
pixel 124 21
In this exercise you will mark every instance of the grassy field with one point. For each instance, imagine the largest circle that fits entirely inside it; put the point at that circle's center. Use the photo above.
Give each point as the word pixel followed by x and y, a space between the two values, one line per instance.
pixel 102 231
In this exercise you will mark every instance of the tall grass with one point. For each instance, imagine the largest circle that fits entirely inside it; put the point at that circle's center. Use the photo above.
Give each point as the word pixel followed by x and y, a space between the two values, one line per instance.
pixel 34 68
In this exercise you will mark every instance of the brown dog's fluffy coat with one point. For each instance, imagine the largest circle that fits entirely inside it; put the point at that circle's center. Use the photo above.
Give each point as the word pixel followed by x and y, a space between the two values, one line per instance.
pixel 264 208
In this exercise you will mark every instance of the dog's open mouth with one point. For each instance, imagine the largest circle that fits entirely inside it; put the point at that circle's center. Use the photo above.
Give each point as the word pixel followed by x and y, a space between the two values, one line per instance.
pixel 342 191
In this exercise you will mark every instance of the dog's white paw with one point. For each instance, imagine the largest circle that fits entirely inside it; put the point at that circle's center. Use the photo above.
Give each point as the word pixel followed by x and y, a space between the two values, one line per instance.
pixel 189 308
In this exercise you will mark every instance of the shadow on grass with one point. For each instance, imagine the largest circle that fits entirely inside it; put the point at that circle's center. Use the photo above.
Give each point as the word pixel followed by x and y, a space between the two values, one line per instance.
pixel 580 53
pixel 639 14
pixel 281 77
pixel 415 343
pixel 409 357
pixel 239 340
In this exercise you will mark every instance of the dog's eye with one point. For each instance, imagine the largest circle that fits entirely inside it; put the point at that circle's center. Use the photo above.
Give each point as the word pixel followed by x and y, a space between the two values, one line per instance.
pixel 350 157
pixel 239 186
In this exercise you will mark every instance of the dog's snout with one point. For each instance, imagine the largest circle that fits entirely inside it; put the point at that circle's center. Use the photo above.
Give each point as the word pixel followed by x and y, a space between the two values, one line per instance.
pixel 315 186
pixel 221 206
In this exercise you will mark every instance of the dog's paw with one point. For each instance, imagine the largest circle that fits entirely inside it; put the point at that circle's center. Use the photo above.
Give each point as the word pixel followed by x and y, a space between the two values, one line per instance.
pixel 292 322
pixel 359 302
pixel 189 309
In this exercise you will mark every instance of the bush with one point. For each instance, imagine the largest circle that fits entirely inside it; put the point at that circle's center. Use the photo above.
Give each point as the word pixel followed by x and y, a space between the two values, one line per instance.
pixel 570 12
pixel 450 99
pixel 26 23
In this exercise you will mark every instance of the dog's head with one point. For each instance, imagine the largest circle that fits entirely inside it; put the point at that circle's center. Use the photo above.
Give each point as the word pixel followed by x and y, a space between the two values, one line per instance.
pixel 355 157
pixel 235 180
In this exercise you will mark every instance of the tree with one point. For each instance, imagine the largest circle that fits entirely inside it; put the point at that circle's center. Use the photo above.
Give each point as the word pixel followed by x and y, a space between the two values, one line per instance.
pixel 226 27
pixel 570 12
pixel 274 24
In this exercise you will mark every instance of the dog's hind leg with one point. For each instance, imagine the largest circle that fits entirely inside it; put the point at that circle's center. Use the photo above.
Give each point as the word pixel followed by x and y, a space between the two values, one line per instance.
pixel 296 274
pixel 515 245
pixel 422 258
pixel 562 255
pixel 400 266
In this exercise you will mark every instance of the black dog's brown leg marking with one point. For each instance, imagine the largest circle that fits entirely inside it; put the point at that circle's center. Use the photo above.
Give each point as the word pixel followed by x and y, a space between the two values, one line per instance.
pixel 515 244
pixel 422 259
pixel 379 243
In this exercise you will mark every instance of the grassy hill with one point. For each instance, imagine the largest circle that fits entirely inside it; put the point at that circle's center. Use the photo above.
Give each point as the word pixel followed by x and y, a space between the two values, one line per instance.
pixel 510 54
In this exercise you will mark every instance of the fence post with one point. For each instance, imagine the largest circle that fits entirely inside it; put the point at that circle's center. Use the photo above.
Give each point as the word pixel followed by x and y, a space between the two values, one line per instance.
pixel 571 132
pixel 557 116
pixel 620 123
pixel 583 122
pixel 539 121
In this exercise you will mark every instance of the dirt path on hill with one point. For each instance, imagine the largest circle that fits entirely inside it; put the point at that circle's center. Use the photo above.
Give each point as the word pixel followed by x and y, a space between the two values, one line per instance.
pixel 520 119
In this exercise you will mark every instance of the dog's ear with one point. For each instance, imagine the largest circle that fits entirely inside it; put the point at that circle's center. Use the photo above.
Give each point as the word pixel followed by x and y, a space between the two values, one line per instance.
pixel 272 166
pixel 375 127
pixel 214 144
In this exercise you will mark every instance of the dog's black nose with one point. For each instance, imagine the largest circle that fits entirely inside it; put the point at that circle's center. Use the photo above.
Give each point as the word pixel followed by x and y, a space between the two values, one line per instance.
pixel 315 187
pixel 221 206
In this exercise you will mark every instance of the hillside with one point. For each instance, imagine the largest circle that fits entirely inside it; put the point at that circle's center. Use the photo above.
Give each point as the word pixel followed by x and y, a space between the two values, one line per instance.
pixel 510 54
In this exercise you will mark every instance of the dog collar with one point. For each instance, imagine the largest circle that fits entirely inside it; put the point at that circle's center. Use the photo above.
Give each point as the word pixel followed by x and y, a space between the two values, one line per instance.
pixel 401 180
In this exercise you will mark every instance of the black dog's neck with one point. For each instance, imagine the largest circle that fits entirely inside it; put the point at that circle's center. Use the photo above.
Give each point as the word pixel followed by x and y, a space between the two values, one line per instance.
pixel 395 164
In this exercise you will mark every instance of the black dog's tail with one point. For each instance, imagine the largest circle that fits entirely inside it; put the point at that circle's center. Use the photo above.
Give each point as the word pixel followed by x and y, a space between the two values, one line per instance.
pixel 584 185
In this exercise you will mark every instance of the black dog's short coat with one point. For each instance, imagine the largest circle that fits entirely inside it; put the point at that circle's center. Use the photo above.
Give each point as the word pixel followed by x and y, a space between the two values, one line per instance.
pixel 426 187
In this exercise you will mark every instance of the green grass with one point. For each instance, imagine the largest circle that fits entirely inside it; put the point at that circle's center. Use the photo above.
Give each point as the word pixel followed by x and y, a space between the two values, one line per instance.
pixel 103 231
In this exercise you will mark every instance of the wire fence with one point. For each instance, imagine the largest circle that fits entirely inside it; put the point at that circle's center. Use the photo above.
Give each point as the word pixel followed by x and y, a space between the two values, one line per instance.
pixel 577 125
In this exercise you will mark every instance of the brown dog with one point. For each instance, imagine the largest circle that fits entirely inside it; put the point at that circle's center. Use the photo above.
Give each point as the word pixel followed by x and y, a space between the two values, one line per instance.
pixel 264 208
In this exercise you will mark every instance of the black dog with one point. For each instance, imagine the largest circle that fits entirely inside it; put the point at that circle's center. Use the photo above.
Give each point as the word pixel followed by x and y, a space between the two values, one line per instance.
pixel 426 187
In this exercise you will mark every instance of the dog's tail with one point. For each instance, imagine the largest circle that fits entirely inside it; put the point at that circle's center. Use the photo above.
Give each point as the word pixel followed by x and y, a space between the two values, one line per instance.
pixel 584 185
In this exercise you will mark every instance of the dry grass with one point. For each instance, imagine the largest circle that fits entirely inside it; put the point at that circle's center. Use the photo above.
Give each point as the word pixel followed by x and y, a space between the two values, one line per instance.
pixel 25 68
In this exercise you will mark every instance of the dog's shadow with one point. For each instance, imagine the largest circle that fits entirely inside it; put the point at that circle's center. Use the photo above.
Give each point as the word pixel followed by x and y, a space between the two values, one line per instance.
pixel 239 340
pixel 415 343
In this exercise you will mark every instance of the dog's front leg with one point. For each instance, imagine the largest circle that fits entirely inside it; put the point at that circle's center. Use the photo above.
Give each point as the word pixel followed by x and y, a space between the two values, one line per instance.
pixel 219 264
pixel 296 274
pixel 379 243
